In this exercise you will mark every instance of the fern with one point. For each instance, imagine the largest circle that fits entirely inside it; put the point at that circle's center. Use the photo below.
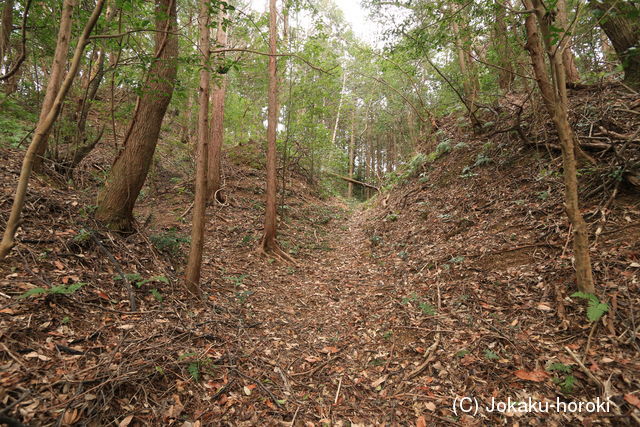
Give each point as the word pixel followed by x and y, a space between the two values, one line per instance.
pixel 194 370
pixel 595 308
pixel 59 290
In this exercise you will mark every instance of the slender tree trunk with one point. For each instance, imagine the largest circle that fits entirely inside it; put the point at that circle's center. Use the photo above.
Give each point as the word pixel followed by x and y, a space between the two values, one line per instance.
pixel 43 128
pixel 468 77
pixel 352 149
pixel 335 125
pixel 555 98
pixel 57 74
pixel 129 172
pixel 501 43
pixel 619 20
pixel 568 59
pixel 269 238
pixel 194 263
pixel 6 26
pixel 214 173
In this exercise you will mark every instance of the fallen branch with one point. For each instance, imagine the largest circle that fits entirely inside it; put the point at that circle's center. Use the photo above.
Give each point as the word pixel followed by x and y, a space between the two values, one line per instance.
pixel 354 181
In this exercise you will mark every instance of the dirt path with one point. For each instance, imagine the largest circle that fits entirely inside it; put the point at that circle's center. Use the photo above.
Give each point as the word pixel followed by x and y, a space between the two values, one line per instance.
pixel 320 334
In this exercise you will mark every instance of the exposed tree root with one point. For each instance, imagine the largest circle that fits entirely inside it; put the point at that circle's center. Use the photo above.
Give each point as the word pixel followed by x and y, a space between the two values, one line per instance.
pixel 273 250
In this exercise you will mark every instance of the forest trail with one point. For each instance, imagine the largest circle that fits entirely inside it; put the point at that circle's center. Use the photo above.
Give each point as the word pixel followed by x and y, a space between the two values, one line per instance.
pixel 330 335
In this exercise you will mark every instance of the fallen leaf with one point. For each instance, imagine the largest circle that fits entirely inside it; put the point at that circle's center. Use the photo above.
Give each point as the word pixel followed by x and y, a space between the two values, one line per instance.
pixel 421 422
pixel 126 421
pixel 431 406
pixel 312 359
pixel 537 376
pixel 70 417
pixel 379 381
pixel 102 295
pixel 329 350
pixel 632 399
pixel 544 307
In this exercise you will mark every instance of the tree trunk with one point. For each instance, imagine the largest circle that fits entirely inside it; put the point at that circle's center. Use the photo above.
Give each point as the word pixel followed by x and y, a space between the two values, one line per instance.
pixel 214 173
pixel 43 128
pixel 269 238
pixel 6 26
pixel 555 98
pixel 194 263
pixel 619 20
pixel 468 77
pixel 352 146
pixel 129 172
pixel 335 125
pixel 568 59
pixel 57 74
pixel 503 49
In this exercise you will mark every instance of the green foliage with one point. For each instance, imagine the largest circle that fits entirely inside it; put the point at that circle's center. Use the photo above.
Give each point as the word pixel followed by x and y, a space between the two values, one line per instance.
pixel 392 217
pixel 490 355
pixel 595 308
pixel 424 306
pixel 54 290
pixel 564 379
pixel 169 242
pixel 15 123
pixel 236 280
pixel 83 236
pixel 443 148
pixel 375 240
pixel 560 367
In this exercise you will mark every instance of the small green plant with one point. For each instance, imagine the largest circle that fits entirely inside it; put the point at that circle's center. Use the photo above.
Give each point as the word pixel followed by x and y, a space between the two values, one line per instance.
pixel 387 335
pixel 242 296
pixel 460 146
pixel 595 308
pixel 169 242
pixel 83 236
pixel 236 280
pixel 543 195
pixel 424 306
pixel 375 240
pixel 481 160
pixel 443 148
pixel 54 290
pixel 88 210
pixel 467 172
pixel 456 259
pixel 156 294
pixel 392 217
pixel 491 355
pixel 564 379
pixel 462 353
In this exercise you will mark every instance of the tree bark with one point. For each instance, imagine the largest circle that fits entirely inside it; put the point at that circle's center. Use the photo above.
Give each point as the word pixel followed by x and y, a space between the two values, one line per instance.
pixel 352 147
pixel 6 26
pixel 194 263
pixel 335 125
pixel 214 173
pixel 568 59
pixel 503 49
pixel 129 172
pixel 619 20
pixel 469 79
pixel 555 99
pixel 269 238
pixel 57 74
pixel 43 128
